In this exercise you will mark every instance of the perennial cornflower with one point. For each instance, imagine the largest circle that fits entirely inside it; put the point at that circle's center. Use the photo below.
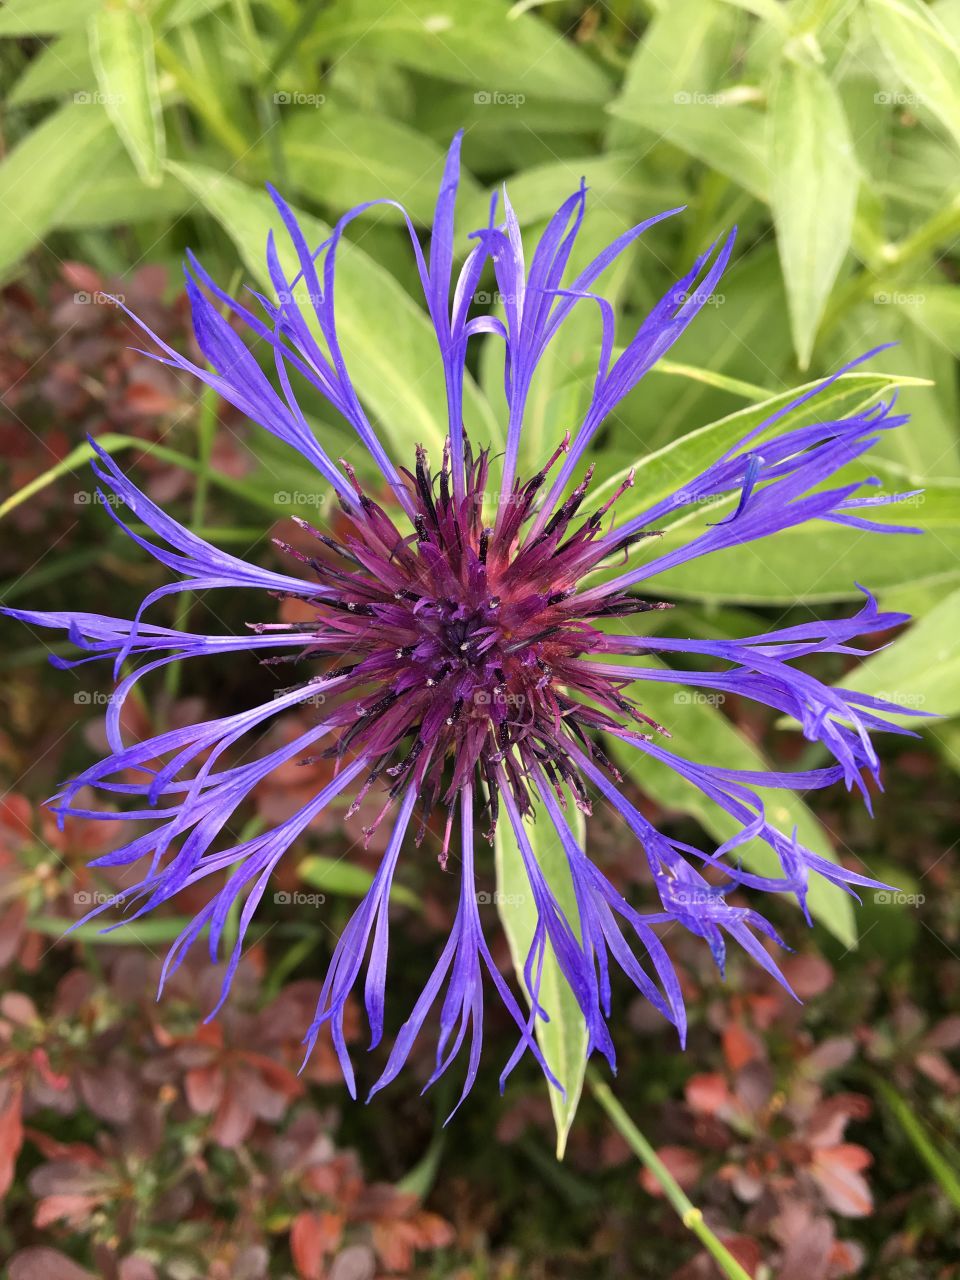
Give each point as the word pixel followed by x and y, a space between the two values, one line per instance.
pixel 470 669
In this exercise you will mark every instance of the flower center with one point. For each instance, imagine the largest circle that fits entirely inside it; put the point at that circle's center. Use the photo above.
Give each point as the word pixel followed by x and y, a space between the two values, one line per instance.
pixel 461 648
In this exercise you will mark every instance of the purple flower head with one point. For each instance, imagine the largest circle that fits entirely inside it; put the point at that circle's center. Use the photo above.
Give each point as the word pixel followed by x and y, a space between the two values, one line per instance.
pixel 469 646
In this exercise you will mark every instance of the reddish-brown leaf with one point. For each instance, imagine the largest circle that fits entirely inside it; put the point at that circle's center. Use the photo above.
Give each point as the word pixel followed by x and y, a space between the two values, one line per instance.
pixel 741 1046
pixel 945 1035
pixel 846 1259
pixel 135 1268
pixel 707 1093
pixel 109 1091
pixel 204 1089
pixel 936 1068
pixel 809 975
pixel 432 1231
pixel 45 1264
pixel 74 1209
pixel 395 1242
pixel 234 1120
pixel 312 1237
pixel 837 1171
pixel 11 1135
pixel 807 1242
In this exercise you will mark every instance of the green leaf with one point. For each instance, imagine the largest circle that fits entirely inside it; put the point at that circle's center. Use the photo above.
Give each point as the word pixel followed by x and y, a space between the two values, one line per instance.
pixel 929 445
pixel 563 1040
pixel 672 92
pixel 51 17
pixel 923 53
pixel 814 182
pixel 933 308
pixel 62 67
pixel 43 17
pixel 343 158
pixel 335 875
pixel 662 472
pixel 74 460
pixel 119 198
pixel 543 131
pixel 921 669
pixel 389 344
pixel 155 929
pixel 819 561
pixel 419 1181
pixel 729 136
pixel 736 386
pixel 681 58
pixel 121 50
pixel 614 181
pixel 744 335
pixel 505 57
pixel 268 494
pixel 924 1142
pixel 46 171
pixel 945 736
pixel 701 732
pixel 771 12
pixel 814 562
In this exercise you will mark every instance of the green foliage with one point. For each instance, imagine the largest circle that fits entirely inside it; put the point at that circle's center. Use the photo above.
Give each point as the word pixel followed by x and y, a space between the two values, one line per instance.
pixel 563 1040
pixel 827 130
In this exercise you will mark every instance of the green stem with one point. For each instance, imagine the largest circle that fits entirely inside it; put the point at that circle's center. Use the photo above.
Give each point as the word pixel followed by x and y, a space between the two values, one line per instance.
pixel 268 115
pixel 687 1211
pixel 289 46
pixel 891 265
pixel 204 103
pixel 937 230
pixel 940 1165
pixel 817 11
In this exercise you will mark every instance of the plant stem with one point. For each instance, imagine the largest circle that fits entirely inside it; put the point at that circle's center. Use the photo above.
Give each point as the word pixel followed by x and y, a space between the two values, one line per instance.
pixel 203 102
pixel 689 1214
pixel 289 45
